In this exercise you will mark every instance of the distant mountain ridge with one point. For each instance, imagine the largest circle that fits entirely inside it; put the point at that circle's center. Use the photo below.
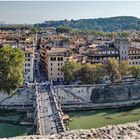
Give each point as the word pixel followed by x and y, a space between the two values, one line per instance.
pixel 111 24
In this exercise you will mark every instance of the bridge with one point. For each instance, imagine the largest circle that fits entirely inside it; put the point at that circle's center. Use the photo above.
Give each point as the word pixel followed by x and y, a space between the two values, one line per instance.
pixel 49 118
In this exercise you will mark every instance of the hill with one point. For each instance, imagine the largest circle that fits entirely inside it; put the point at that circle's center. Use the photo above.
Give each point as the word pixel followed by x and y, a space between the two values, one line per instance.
pixel 112 24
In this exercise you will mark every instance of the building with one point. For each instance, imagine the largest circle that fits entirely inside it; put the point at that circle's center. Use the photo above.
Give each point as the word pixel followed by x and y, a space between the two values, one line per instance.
pixel 135 43
pixel 122 44
pixel 55 62
pixel 134 56
pixel 101 54
pixel 29 65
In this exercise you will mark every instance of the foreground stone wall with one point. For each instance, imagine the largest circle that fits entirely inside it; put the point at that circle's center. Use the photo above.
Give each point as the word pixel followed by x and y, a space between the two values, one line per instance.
pixel 123 131
pixel 102 93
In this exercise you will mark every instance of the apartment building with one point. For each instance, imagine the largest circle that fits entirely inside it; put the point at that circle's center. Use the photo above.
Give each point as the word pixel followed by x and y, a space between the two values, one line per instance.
pixel 29 65
pixel 134 56
pixel 101 54
pixel 135 43
pixel 55 62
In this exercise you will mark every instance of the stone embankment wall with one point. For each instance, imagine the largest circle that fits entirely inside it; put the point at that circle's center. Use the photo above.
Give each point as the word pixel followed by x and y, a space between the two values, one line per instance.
pixel 22 97
pixel 97 94
pixel 123 131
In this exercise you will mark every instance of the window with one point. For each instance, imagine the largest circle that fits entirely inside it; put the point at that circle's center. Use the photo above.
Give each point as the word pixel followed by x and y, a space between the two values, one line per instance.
pixel 51 58
pixel 58 69
pixel 51 64
pixel 51 69
pixel 58 64
pixel 54 58
pixel 28 64
pixel 58 59
pixel 28 77
pixel 61 59
pixel 28 59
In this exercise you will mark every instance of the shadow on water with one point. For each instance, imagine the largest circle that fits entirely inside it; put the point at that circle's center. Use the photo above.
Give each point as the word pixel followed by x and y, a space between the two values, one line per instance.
pixel 124 111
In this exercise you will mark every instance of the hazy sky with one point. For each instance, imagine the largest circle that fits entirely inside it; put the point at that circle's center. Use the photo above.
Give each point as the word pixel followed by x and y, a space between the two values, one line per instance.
pixel 34 12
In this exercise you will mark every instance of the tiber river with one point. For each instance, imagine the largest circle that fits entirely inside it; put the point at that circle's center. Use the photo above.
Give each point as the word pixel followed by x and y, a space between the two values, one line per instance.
pixel 82 119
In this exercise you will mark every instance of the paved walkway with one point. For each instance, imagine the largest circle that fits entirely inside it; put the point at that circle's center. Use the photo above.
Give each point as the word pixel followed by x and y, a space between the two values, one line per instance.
pixel 48 112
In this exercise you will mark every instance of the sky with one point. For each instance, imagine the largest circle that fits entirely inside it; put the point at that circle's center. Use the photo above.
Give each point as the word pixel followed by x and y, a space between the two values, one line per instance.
pixel 31 12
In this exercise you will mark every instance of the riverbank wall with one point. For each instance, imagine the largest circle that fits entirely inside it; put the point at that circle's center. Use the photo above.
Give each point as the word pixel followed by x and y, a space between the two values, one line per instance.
pixel 23 96
pixel 91 106
pixel 98 94
pixel 77 97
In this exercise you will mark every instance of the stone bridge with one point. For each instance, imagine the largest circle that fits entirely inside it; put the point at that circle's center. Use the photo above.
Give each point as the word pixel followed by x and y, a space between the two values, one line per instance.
pixel 49 116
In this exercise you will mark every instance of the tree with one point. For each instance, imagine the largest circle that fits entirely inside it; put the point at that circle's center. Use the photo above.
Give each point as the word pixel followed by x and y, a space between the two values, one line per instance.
pixel 11 67
pixel 71 71
pixel 92 73
pixel 112 69
pixel 135 71
pixel 99 73
pixel 123 68
pixel 63 30
pixel 87 71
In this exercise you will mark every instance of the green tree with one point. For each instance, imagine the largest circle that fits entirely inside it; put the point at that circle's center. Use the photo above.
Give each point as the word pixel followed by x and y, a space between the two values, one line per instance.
pixel 99 73
pixel 135 71
pixel 63 30
pixel 87 71
pixel 123 68
pixel 112 69
pixel 92 73
pixel 71 71
pixel 11 67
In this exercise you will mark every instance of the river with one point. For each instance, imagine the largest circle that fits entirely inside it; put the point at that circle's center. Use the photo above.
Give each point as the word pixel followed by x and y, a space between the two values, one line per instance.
pixel 80 120
pixel 11 130
pixel 8 129
pixel 100 118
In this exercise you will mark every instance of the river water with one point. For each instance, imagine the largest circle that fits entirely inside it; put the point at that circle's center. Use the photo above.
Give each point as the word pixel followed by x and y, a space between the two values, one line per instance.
pixel 80 119
pixel 99 118
pixel 10 129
